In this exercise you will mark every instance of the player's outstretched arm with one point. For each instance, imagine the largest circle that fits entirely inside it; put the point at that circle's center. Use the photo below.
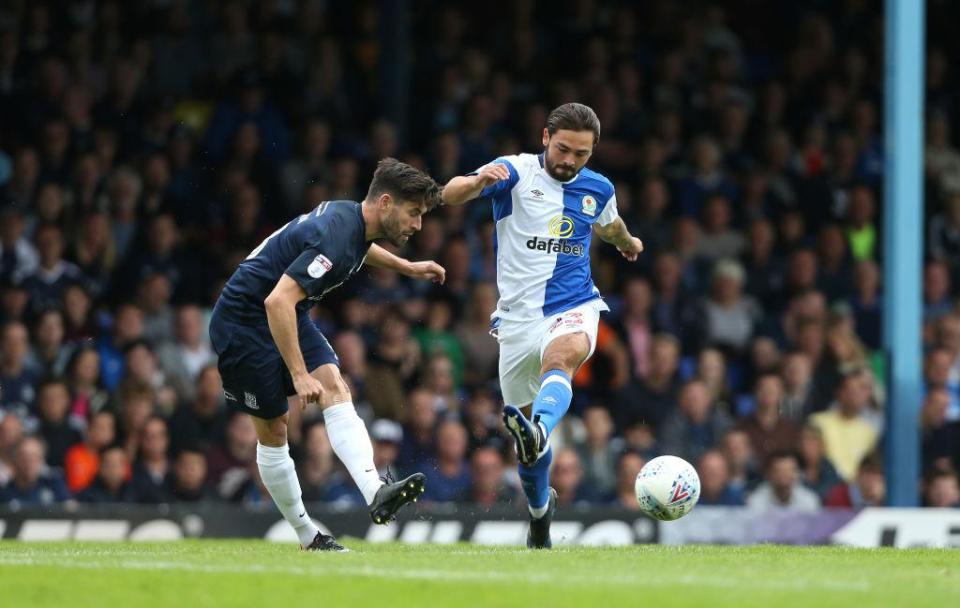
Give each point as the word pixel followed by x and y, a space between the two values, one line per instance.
pixel 281 307
pixel 464 188
pixel 617 234
pixel 381 258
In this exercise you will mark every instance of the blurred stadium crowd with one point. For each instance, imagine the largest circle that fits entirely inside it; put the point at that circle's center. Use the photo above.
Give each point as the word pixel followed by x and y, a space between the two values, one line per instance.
pixel 147 147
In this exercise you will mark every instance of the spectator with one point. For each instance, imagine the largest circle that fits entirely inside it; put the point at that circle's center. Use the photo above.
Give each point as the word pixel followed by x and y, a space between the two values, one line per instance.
pixel 566 477
pixel 50 354
pixel 450 476
pixel 769 432
pixel 487 487
pixel 473 334
pixel 715 487
pixel 19 257
pixel 83 460
pixel 438 376
pixel 729 315
pixel 818 473
pixel 627 467
pixel 83 373
pixel 387 437
pixel 201 422
pixel 600 451
pixel 16 378
pixel 127 327
pixel 136 405
pixel 189 483
pixel 942 489
pixel 652 399
pixel 481 417
pixel 111 484
pixel 636 326
pixel 782 488
pixel 150 478
pixel 847 435
pixel 868 490
pixel 58 430
pixel 53 274
pixel 936 291
pixel 184 358
pixel 798 387
pixel 370 381
pixel 719 240
pixel 418 435
pixel 744 471
pixel 941 439
pixel 230 464
pixel 31 482
pixel 695 426
pixel 11 432
pixel 944 233
pixel 316 468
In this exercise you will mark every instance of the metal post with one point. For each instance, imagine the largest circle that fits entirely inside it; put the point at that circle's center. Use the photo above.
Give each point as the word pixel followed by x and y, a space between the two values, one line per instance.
pixel 903 243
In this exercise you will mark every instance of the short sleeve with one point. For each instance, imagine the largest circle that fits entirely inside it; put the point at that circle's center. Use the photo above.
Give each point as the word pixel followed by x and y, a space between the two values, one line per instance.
pixel 609 212
pixel 502 185
pixel 308 270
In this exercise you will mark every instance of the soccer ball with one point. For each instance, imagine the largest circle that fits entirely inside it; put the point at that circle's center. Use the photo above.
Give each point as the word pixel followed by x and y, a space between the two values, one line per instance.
pixel 667 488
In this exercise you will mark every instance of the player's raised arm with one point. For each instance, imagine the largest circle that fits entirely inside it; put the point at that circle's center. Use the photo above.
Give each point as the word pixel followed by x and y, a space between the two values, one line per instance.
pixel 379 257
pixel 464 188
pixel 281 307
pixel 617 234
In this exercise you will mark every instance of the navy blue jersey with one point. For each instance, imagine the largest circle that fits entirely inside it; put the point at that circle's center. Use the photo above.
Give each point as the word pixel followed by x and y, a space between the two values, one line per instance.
pixel 319 250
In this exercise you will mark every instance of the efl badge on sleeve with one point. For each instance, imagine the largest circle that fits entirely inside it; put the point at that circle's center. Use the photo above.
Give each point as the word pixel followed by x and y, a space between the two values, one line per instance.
pixel 319 266
pixel 589 205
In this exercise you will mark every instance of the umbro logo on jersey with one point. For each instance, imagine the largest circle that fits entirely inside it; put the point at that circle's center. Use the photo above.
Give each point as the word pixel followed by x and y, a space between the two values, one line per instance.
pixel 536 193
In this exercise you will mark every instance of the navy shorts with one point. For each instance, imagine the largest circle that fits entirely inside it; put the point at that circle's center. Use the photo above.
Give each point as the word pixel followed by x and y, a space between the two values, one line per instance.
pixel 256 381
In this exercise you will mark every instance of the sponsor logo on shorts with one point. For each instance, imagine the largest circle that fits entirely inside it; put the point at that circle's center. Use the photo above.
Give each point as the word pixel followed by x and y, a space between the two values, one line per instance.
pixel 319 266
pixel 229 396
pixel 570 319
pixel 250 400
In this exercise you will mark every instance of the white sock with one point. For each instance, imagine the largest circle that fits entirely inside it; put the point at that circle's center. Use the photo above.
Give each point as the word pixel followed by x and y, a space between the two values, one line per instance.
pixel 279 475
pixel 540 512
pixel 351 443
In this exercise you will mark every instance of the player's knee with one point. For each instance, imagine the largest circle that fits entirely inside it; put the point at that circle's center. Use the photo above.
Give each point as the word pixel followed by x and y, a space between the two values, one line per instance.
pixel 272 432
pixel 335 388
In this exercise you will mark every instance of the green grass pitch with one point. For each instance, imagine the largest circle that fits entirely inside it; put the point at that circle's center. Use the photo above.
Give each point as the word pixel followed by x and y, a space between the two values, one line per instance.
pixel 255 573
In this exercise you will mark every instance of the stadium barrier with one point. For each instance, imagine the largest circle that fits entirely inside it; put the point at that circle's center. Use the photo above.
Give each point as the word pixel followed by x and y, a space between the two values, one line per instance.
pixel 872 527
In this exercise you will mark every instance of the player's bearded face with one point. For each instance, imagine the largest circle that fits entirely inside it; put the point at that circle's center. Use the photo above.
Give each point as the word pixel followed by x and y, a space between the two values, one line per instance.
pixel 401 221
pixel 566 152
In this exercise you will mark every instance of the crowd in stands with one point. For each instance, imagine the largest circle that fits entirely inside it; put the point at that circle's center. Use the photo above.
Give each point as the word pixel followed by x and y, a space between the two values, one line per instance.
pixel 147 147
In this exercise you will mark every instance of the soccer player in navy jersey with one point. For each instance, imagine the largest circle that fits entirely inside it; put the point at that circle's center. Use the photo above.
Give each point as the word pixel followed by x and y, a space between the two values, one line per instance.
pixel 546 207
pixel 269 348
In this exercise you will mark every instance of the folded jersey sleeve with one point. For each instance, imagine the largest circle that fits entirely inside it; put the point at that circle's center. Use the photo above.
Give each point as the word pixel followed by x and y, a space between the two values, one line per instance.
pixel 502 185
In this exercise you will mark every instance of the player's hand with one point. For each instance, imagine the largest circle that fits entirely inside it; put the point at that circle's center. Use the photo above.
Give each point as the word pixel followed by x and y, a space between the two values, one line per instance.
pixel 491 174
pixel 309 390
pixel 632 250
pixel 428 271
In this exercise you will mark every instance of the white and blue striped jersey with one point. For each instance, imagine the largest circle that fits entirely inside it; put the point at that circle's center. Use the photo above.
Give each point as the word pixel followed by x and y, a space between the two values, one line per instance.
pixel 542 238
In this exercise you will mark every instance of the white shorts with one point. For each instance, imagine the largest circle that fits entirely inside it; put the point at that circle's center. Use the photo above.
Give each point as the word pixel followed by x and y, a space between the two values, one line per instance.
pixel 522 344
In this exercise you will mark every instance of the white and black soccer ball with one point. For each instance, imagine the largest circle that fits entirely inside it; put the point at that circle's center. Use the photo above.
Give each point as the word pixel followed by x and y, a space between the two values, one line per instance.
pixel 667 488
